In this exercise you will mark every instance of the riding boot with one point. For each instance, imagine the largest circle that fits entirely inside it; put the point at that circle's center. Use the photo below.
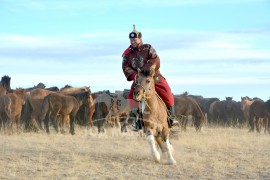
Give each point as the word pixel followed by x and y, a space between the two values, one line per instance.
pixel 172 117
pixel 135 116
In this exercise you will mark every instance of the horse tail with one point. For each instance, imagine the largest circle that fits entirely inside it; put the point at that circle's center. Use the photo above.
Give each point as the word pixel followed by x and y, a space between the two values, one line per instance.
pixel 45 108
pixel 27 111
pixel 200 116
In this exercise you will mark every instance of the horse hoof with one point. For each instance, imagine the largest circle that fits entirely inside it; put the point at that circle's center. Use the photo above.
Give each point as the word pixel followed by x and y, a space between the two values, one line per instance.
pixel 157 158
pixel 172 162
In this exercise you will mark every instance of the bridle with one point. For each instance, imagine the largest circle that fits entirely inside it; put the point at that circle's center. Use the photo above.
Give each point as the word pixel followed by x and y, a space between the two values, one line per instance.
pixel 144 89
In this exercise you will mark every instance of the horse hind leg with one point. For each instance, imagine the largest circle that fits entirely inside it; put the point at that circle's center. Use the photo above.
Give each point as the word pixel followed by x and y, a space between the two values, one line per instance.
pixel 154 152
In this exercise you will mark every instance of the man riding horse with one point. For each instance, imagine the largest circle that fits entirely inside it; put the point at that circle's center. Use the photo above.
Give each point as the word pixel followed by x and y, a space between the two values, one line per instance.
pixel 143 56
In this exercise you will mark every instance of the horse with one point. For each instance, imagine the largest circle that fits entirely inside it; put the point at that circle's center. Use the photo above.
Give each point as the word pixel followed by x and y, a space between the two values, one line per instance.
pixel 259 111
pixel 119 112
pixel 5 110
pixel 5 85
pixel 245 106
pixel 184 106
pixel 61 106
pixel 155 114
pixel 33 107
pixel 11 108
pixel 85 113
pixel 214 111
pixel 102 103
pixel 225 112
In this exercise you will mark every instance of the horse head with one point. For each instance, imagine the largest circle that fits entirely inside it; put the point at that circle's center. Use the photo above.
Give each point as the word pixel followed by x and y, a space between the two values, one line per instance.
pixel 5 81
pixel 144 84
pixel 229 103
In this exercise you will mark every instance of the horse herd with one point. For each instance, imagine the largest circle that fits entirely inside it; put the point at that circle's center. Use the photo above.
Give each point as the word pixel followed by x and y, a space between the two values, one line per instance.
pixel 35 109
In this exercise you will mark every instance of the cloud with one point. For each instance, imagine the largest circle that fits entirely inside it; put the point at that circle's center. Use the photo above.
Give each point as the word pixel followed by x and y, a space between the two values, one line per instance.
pixel 70 5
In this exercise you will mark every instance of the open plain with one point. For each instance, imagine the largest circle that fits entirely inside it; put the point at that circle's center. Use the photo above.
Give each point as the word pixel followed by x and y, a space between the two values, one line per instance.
pixel 214 153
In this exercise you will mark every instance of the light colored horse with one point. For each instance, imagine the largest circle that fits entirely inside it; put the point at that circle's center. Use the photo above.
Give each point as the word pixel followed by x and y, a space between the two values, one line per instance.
pixel 245 106
pixel 154 114
pixel 119 111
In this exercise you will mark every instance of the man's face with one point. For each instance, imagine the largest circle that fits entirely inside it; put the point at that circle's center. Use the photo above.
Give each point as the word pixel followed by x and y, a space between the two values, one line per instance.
pixel 135 42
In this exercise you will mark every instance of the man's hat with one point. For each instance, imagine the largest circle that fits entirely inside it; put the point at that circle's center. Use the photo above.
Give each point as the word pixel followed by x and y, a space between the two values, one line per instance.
pixel 135 33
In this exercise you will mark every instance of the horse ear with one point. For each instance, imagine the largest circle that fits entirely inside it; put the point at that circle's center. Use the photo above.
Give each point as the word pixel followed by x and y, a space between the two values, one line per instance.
pixel 152 70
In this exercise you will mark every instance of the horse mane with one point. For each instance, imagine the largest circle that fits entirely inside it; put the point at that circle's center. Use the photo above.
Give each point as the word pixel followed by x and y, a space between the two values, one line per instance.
pixel 248 98
pixel 184 94
pixel 145 72
pixel 80 95
pixel 65 87
pixel 40 85
pixel 256 98
pixel 53 88
pixel 75 89
pixel 268 102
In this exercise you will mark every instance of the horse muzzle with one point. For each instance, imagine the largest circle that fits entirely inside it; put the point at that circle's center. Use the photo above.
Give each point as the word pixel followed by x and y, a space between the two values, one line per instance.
pixel 137 95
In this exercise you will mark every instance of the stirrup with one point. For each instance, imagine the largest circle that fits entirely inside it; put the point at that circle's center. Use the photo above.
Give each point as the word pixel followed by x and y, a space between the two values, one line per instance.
pixel 174 122
pixel 135 128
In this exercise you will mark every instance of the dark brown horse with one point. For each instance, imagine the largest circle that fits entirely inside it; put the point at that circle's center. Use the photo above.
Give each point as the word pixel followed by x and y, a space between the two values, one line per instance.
pixel 225 112
pixel 5 85
pixel 259 112
pixel 186 106
pixel 61 106
pixel 155 115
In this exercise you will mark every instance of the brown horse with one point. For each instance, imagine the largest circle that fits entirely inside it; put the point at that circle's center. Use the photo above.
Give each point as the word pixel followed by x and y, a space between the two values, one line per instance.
pixel 187 106
pixel 155 115
pixel 4 85
pixel 5 110
pixel 33 107
pixel 12 108
pixel 61 106
pixel 259 111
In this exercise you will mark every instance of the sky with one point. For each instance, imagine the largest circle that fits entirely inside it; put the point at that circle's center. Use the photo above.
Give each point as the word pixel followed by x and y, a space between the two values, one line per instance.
pixel 207 47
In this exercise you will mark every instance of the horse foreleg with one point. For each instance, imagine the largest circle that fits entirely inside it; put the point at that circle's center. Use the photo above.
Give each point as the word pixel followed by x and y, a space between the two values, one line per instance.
pixel 154 152
pixel 46 123
pixel 63 119
pixel 18 123
pixel 258 124
pixel 71 124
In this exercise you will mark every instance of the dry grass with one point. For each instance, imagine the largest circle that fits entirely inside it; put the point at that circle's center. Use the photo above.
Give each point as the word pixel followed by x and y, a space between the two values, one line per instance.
pixel 215 153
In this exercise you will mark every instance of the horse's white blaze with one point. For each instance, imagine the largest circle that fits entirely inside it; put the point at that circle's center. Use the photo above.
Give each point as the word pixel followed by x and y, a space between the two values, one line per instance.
pixel 168 147
pixel 143 106
pixel 154 151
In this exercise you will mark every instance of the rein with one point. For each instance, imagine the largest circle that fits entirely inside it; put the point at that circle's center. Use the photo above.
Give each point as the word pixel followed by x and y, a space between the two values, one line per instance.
pixel 144 89
pixel 149 97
